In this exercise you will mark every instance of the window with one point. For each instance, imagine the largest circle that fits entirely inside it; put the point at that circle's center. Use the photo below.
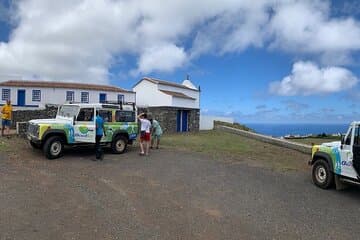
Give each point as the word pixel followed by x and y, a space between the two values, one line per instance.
pixel 86 115
pixel 106 115
pixel 125 116
pixel 120 98
pixel 348 138
pixel 357 135
pixel 70 96
pixel 5 95
pixel 68 111
pixel 36 95
pixel 84 97
pixel 102 98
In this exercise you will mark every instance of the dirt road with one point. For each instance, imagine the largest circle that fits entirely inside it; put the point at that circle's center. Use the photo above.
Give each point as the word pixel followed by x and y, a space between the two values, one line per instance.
pixel 168 195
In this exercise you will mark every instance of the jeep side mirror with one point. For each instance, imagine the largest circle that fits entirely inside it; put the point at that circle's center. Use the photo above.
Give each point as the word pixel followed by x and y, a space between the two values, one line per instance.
pixel 342 139
pixel 74 120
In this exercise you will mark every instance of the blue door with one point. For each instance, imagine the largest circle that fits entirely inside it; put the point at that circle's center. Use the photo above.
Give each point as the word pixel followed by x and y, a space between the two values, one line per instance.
pixel 21 98
pixel 182 121
pixel 178 121
pixel 102 97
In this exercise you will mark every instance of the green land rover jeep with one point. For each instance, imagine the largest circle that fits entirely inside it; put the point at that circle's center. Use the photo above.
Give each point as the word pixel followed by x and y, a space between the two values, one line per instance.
pixel 337 162
pixel 75 125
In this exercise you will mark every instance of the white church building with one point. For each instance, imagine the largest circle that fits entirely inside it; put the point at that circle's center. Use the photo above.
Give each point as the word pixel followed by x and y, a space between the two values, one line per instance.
pixel 175 105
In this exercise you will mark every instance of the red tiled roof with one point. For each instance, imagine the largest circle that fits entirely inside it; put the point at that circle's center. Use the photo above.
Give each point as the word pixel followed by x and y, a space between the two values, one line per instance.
pixel 69 85
pixel 158 81
pixel 177 94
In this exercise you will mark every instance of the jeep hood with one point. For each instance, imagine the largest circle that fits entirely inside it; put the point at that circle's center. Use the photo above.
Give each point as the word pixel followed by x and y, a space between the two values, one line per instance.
pixel 51 121
pixel 332 144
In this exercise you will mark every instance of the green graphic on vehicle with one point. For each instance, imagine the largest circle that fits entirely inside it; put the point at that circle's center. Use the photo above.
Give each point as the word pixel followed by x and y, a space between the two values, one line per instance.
pixel 83 129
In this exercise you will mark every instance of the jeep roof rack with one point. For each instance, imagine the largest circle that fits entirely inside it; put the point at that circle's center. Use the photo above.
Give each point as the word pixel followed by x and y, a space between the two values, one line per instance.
pixel 121 103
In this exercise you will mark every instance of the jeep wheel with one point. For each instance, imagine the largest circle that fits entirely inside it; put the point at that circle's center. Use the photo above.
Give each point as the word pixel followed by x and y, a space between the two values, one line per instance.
pixel 53 147
pixel 321 174
pixel 34 145
pixel 119 144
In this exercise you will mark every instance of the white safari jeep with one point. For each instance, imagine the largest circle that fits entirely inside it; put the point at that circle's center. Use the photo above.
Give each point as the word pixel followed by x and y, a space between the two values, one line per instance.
pixel 337 162
pixel 75 124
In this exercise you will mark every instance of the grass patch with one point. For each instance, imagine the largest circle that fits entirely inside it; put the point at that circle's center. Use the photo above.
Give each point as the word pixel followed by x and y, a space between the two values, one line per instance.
pixel 231 148
pixel 233 125
pixel 209 142
pixel 4 145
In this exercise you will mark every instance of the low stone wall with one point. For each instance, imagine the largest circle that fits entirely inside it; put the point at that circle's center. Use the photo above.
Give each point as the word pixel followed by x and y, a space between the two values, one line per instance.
pixel 166 116
pixel 27 115
pixel 21 128
pixel 279 142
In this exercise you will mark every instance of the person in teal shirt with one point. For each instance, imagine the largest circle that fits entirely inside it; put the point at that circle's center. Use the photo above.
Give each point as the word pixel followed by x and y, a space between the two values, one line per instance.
pixel 100 131
pixel 156 133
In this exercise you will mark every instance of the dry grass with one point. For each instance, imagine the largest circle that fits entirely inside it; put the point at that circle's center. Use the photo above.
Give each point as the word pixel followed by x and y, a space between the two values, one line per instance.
pixel 234 148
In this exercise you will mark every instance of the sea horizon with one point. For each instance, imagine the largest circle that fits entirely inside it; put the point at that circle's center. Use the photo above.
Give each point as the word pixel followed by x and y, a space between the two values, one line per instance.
pixel 283 129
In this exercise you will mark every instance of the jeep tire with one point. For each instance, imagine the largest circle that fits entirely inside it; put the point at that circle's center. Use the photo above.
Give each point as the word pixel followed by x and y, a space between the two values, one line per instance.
pixel 119 144
pixel 322 175
pixel 53 147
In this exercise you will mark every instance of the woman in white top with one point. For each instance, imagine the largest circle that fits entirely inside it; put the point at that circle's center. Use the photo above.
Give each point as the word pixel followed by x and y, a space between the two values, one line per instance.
pixel 145 126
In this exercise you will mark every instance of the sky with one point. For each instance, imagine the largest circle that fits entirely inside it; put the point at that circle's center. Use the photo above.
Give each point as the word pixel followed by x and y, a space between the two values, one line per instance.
pixel 258 61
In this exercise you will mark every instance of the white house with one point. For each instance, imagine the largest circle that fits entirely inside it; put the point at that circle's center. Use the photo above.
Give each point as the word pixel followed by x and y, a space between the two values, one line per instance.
pixel 40 93
pixel 151 92
pixel 175 105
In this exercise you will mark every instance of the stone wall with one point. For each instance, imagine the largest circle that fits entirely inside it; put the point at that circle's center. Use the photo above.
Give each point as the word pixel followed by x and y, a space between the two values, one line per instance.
pixel 280 142
pixel 166 116
pixel 27 115
pixel 21 128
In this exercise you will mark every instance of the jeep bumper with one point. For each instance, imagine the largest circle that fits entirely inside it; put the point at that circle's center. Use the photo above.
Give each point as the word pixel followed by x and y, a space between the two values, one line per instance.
pixel 33 139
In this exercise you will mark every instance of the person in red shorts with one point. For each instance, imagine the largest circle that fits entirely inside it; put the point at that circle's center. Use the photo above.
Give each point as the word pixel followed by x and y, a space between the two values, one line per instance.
pixel 145 126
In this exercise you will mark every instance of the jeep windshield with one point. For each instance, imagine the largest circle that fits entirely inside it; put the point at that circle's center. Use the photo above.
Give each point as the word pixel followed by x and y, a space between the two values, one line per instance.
pixel 68 111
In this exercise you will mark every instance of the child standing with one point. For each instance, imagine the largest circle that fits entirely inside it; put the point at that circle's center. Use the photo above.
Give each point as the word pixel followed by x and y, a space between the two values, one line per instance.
pixel 145 126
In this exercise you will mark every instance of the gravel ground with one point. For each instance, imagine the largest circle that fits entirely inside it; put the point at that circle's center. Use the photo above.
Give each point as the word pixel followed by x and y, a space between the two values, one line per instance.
pixel 168 195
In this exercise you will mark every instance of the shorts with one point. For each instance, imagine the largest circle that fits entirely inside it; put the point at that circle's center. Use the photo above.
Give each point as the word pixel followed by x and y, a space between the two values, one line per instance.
pixel 144 136
pixel 6 123
pixel 156 136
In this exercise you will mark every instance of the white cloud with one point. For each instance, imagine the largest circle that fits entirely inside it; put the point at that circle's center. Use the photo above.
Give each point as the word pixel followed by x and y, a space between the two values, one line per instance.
pixel 307 27
pixel 78 39
pixel 307 78
pixel 161 58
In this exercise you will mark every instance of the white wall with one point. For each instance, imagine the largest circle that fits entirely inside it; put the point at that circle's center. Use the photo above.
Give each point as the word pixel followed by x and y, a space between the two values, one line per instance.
pixel 183 102
pixel 191 93
pixel 58 96
pixel 147 94
pixel 207 122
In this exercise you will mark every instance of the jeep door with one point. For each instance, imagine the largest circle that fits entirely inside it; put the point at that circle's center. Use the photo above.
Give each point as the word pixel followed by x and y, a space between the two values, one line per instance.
pixel 107 116
pixel 84 126
pixel 356 153
pixel 346 153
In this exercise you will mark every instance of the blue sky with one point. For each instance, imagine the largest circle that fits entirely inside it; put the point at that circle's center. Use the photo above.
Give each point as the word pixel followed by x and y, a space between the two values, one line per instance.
pixel 257 61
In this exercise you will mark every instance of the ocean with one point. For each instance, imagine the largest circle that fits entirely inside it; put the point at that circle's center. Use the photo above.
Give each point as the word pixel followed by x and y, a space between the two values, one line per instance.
pixel 282 129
